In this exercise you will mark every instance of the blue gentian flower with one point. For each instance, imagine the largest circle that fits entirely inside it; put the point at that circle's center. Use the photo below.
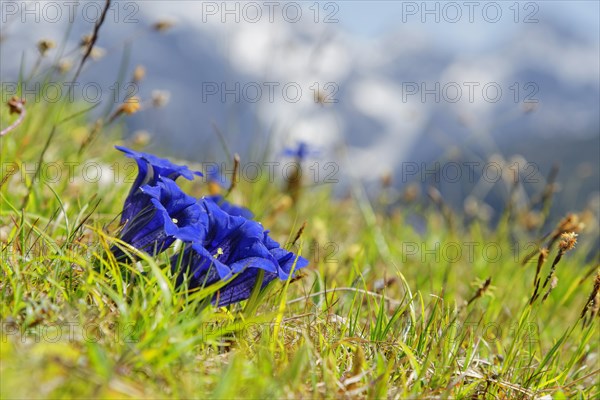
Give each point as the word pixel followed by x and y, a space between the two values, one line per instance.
pixel 221 241
pixel 233 247
pixel 229 208
pixel 214 175
pixel 150 169
pixel 170 214
pixel 301 152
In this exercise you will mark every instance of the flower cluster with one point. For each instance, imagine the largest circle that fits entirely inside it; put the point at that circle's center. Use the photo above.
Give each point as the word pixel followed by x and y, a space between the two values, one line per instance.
pixel 222 242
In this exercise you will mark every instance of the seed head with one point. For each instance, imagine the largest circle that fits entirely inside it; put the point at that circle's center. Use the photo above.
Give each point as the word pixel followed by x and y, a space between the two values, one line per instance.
pixel 570 223
pixel 97 53
pixel 131 106
pixel 532 220
pixel 160 98
pixel 567 241
pixel 44 45
pixel 85 41
pixel 15 105
pixel 64 66
pixel 139 73
pixel 163 25
pixel 141 138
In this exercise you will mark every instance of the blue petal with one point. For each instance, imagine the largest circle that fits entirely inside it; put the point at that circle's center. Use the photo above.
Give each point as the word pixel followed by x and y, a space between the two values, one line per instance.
pixel 199 265
pixel 145 231
pixel 233 247
pixel 302 151
pixel 215 175
pixel 241 287
pixel 135 202
pixel 183 217
pixel 169 214
pixel 229 208
pixel 160 166
pixel 150 169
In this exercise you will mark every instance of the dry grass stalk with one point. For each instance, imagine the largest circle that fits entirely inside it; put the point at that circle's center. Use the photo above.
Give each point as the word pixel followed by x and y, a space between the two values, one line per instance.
pixel 567 242
pixel 481 290
pixel 16 106
pixel 570 223
pixel 592 305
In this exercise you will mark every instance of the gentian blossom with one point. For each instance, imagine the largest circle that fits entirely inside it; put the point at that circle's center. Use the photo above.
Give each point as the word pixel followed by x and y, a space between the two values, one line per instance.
pixel 150 168
pixel 216 181
pixel 301 152
pixel 229 208
pixel 157 211
pixel 221 242
pixel 169 214
pixel 233 247
pixel 294 179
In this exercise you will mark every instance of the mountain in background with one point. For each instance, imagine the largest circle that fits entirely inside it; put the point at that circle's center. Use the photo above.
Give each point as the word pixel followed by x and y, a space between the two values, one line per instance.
pixel 548 111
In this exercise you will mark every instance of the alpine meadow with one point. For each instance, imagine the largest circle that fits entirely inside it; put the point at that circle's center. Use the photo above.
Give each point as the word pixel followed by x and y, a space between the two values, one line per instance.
pixel 130 269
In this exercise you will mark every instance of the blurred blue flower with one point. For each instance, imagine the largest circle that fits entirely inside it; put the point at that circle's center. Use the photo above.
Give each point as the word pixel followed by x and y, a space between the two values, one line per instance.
pixel 301 152
pixel 233 246
pixel 229 208
pixel 170 214
pixel 150 169
pixel 214 175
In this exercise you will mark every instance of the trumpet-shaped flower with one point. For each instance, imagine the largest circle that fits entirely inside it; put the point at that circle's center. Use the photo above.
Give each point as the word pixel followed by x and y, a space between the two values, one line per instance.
pixel 150 169
pixel 169 214
pixel 233 247
pixel 221 242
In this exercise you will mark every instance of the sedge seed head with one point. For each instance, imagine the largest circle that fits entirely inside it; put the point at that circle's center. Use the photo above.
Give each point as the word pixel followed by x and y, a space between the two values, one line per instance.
pixel 131 106
pixel 44 45
pixel 568 240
